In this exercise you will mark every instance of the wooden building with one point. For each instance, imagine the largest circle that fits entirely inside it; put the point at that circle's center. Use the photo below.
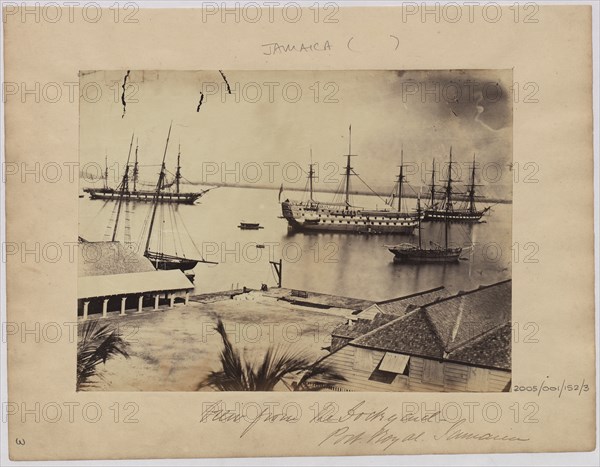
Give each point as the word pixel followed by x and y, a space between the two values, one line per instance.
pixel 459 343
pixel 114 278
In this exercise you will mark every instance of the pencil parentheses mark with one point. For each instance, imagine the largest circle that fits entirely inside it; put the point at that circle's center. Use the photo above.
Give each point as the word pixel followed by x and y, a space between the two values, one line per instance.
pixel 20 441
pixel 348 45
pixel 397 41
pixel 200 101
pixel 123 94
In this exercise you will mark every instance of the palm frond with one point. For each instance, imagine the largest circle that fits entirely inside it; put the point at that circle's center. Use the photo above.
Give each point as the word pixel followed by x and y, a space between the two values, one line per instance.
pixel 96 345
pixel 277 364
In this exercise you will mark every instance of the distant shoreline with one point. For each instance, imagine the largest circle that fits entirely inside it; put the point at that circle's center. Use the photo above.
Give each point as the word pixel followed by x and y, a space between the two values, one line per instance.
pixel 457 197
pixel 352 192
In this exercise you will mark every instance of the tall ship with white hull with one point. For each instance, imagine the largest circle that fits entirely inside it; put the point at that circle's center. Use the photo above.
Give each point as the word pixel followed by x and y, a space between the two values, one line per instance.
pixel 445 209
pixel 343 217
pixel 166 195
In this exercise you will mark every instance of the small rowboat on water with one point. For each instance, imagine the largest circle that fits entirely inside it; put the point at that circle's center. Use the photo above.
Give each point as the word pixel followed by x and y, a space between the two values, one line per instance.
pixel 250 226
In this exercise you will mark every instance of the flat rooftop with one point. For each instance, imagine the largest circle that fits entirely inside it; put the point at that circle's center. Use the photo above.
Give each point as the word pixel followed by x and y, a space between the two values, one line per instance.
pixel 173 349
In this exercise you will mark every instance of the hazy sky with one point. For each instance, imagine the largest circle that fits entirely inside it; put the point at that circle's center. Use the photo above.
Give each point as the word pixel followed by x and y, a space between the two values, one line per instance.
pixel 264 122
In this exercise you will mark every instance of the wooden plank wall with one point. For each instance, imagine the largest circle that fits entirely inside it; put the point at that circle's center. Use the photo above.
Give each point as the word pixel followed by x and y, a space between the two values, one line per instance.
pixel 455 376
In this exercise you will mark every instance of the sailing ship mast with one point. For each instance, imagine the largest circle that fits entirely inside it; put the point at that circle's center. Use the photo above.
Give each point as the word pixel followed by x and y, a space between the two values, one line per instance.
pixel 449 185
pixel 311 174
pixel 446 227
pixel 400 180
pixel 448 201
pixel 178 172
pixel 472 188
pixel 419 217
pixel 159 185
pixel 348 168
pixel 432 201
pixel 105 171
pixel 124 187
pixel 135 167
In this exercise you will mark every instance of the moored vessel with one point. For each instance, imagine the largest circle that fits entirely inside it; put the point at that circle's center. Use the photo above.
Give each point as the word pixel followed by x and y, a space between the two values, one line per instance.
pixel 445 209
pixel 158 257
pixel 167 194
pixel 343 217
pixel 409 253
pixel 250 226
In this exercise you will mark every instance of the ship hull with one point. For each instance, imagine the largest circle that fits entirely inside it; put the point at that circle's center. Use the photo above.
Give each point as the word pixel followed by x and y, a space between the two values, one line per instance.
pixel 426 256
pixel 303 218
pixel 246 226
pixel 144 196
pixel 433 215
pixel 99 190
pixel 164 262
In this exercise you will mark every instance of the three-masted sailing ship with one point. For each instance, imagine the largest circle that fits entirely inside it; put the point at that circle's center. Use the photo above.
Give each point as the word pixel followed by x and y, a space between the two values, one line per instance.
pixel 444 209
pixel 409 253
pixel 167 194
pixel 312 215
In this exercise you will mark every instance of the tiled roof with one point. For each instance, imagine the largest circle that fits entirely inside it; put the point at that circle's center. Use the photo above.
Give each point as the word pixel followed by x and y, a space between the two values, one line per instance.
pixel 471 324
pixel 402 305
pixel 411 334
pixel 362 326
pixel 492 349
pixel 385 311
pixel 468 315
pixel 104 258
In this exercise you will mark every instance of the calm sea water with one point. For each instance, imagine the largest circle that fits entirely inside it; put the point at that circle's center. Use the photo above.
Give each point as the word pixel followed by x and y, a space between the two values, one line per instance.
pixel 342 264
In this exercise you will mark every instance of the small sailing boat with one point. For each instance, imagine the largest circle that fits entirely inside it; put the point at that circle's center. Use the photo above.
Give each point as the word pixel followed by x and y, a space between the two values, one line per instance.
pixel 343 217
pixel 159 259
pixel 409 253
pixel 165 196
pixel 445 210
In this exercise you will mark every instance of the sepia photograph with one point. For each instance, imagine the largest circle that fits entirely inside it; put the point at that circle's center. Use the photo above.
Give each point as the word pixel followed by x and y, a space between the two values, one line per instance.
pixel 296 230
pixel 296 233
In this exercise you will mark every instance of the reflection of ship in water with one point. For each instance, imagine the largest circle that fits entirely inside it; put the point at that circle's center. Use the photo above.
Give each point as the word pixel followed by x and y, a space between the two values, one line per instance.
pixel 341 216
pixel 444 209
pixel 155 241
pixel 166 195
pixel 409 253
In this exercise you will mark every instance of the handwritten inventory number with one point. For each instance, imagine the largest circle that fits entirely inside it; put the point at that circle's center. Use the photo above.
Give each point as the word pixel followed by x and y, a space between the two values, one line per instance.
pixel 552 388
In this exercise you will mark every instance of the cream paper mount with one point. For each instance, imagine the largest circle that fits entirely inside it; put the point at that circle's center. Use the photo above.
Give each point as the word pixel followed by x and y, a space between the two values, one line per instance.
pixel 113 353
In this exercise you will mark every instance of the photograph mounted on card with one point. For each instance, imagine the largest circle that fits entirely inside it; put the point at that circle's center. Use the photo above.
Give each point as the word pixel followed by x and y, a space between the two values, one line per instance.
pixel 382 247
pixel 393 276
